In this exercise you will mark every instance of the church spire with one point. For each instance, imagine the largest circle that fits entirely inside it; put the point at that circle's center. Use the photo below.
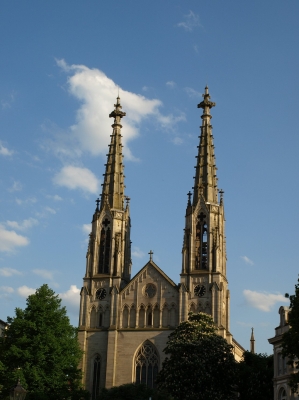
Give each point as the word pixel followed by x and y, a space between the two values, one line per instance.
pixel 205 177
pixel 113 186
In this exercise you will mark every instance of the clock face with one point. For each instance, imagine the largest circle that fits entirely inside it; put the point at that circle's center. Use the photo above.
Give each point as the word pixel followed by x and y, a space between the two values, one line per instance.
pixel 101 294
pixel 199 290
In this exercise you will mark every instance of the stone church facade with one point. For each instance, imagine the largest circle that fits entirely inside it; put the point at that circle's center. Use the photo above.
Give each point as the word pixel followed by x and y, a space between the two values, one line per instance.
pixel 125 322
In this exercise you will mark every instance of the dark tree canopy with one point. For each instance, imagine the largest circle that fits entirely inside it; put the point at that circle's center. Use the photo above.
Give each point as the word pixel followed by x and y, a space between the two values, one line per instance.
pixel 41 348
pixel 290 343
pixel 256 377
pixel 132 391
pixel 199 363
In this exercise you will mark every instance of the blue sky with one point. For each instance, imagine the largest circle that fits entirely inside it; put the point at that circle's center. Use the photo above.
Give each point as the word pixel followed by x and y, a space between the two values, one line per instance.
pixel 61 64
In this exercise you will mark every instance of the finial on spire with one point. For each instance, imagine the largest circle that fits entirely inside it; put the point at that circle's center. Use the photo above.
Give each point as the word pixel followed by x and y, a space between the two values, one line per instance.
pixel 98 202
pixel 221 192
pixel 151 255
pixel 206 104
pixel 189 194
pixel 200 189
pixel 252 340
pixel 117 111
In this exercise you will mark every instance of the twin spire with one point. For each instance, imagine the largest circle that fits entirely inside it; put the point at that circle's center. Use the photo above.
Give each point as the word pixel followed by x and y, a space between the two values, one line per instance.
pixel 113 191
pixel 205 182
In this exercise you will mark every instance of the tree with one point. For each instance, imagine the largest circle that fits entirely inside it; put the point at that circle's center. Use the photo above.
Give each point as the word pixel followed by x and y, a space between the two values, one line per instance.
pixel 40 348
pixel 290 339
pixel 132 391
pixel 256 377
pixel 199 363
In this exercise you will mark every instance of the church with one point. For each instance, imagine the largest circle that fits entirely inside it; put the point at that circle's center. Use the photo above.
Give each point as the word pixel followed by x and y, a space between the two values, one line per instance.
pixel 124 322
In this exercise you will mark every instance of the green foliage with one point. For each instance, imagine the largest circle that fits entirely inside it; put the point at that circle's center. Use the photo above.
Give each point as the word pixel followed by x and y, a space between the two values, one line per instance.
pixel 40 347
pixel 199 363
pixel 256 373
pixel 290 342
pixel 132 391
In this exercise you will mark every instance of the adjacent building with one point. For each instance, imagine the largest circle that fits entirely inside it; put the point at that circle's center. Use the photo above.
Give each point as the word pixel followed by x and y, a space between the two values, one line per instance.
pixel 282 370
pixel 3 326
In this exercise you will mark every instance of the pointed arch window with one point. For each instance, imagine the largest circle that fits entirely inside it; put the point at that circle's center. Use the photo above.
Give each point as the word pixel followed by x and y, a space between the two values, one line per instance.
pixel 104 248
pixel 101 319
pixel 165 316
pixel 201 243
pixel 147 364
pixel 96 377
pixel 93 318
pixel 149 319
pixel 282 394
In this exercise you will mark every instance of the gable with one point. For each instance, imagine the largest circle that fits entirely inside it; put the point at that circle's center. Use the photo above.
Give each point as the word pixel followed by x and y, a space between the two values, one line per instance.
pixel 150 286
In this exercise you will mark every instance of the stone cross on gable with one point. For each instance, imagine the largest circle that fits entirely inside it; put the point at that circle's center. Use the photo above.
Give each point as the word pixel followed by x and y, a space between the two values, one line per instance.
pixel 151 255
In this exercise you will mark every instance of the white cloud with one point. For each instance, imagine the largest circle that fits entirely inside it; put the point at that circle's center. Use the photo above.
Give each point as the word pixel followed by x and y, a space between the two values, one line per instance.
pixel 9 240
pixel 6 289
pixel 192 93
pixel 8 101
pixel 24 225
pixel 137 252
pixel 4 151
pixel 167 121
pixel 171 84
pixel 86 228
pixel 247 260
pixel 71 298
pixel 44 273
pixel 262 300
pixel 16 187
pixel 25 291
pixel 50 210
pixel 5 271
pixel 77 178
pixel 177 140
pixel 190 22
pixel 245 324
pixel 97 94
pixel 44 213
pixel 55 197
pixel 30 200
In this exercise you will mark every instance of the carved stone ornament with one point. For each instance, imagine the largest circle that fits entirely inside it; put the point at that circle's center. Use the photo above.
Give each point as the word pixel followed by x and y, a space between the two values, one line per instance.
pixel 149 290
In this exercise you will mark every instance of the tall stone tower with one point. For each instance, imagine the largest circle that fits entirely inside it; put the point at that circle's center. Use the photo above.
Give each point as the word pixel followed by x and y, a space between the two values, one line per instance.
pixel 204 250
pixel 125 322
pixel 108 261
